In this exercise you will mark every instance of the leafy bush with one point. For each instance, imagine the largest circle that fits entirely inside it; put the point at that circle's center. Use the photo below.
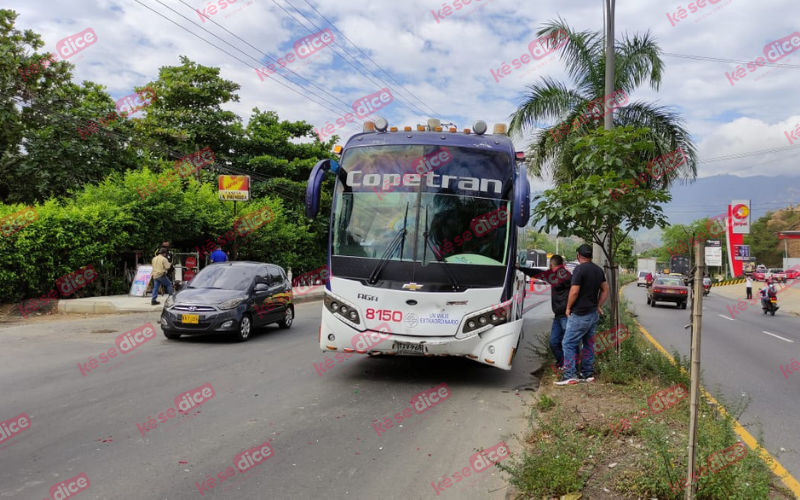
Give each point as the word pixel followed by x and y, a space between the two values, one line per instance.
pixel 104 224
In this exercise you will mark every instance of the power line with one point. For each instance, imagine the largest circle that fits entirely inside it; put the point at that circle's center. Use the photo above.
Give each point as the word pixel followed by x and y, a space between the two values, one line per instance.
pixel 233 56
pixel 730 61
pixel 373 62
pixel 346 105
pixel 738 156
pixel 379 83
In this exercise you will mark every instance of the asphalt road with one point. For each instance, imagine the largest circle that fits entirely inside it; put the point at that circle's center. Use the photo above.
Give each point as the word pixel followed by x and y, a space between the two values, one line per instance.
pixel 741 355
pixel 319 425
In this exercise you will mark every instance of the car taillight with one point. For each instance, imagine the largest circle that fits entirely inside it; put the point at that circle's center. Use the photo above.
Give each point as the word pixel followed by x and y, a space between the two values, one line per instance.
pixel 657 290
pixel 684 292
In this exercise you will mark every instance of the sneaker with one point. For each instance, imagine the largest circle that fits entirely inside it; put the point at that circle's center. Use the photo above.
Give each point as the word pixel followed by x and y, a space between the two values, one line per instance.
pixel 567 381
pixel 582 378
pixel 155 303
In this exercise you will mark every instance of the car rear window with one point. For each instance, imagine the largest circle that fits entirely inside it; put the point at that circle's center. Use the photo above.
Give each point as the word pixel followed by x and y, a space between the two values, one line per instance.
pixel 667 282
pixel 642 274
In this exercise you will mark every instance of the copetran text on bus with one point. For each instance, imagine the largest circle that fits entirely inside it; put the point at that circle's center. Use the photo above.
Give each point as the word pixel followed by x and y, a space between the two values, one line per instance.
pixel 422 165
pixel 357 178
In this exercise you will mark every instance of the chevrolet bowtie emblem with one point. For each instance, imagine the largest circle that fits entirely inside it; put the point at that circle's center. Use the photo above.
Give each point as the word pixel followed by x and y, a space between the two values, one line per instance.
pixel 412 286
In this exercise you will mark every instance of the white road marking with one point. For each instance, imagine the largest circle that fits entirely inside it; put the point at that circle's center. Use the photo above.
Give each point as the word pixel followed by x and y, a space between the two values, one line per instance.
pixel 787 340
pixel 723 316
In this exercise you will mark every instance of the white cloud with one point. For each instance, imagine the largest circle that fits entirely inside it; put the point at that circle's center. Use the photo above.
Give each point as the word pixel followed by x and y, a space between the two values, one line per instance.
pixel 447 64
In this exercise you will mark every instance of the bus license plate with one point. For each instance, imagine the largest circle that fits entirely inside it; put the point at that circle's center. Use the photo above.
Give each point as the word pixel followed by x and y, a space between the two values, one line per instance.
pixel 190 318
pixel 412 349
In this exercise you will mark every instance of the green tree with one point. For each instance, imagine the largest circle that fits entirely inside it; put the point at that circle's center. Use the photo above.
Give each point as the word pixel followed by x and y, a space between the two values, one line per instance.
pixel 585 208
pixel 42 152
pixel 187 113
pixel 637 62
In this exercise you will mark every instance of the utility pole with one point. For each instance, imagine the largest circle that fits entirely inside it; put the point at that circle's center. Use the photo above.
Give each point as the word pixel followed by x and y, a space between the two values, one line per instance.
pixel 694 393
pixel 608 124
pixel 610 6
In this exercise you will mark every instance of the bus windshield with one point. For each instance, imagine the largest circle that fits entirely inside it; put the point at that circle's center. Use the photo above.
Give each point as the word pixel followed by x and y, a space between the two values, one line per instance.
pixel 457 196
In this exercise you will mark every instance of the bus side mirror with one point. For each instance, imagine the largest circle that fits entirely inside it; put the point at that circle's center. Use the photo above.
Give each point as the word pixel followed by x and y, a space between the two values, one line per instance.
pixel 522 198
pixel 315 185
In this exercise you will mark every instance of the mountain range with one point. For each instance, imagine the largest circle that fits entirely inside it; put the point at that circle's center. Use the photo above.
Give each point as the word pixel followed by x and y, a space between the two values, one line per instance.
pixel 710 196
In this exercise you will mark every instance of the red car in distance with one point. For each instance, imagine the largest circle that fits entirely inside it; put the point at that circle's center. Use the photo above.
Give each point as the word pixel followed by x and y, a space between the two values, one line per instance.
pixel 668 289
pixel 760 275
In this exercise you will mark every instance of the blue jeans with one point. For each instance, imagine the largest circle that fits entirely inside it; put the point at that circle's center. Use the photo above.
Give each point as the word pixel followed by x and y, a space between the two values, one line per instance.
pixel 164 281
pixel 580 329
pixel 556 338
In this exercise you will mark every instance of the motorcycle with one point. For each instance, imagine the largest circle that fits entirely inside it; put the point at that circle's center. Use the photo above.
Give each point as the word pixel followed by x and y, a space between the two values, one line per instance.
pixel 772 307
pixel 706 290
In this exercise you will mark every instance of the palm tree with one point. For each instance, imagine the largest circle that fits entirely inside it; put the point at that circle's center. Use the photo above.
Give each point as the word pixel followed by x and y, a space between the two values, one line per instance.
pixel 637 61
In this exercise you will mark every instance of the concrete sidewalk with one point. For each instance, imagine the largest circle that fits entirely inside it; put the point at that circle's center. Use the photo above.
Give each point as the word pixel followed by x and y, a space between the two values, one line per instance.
pixel 120 304
pixel 788 296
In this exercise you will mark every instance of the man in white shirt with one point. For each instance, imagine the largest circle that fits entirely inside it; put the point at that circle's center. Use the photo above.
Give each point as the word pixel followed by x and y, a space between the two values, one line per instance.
pixel 749 285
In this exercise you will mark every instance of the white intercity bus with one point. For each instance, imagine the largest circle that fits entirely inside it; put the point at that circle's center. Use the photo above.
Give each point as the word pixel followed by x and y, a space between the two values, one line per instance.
pixel 423 238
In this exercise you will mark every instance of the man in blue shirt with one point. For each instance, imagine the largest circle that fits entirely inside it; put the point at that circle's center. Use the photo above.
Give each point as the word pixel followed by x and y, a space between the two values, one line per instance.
pixel 218 255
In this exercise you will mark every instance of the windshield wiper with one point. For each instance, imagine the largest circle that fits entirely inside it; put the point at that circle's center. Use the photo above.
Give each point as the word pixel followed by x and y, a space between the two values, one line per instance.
pixel 439 258
pixel 399 238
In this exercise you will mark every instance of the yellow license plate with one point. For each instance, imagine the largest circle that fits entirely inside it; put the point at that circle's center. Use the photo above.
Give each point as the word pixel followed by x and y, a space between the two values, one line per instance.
pixel 190 318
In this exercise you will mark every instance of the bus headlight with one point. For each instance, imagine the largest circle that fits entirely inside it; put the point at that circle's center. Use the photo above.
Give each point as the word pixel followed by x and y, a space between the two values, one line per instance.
pixel 346 312
pixel 483 320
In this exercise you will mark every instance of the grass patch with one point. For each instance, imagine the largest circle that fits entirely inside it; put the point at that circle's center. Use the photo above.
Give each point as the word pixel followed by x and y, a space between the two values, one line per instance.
pixel 579 445
pixel 545 403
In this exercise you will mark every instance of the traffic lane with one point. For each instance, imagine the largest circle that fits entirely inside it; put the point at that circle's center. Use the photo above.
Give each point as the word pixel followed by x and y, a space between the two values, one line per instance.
pixel 89 423
pixel 738 359
pixel 482 411
pixel 266 389
pixel 751 314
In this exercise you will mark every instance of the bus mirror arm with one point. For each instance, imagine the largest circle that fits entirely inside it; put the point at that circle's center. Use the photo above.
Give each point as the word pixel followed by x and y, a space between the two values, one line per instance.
pixel 315 185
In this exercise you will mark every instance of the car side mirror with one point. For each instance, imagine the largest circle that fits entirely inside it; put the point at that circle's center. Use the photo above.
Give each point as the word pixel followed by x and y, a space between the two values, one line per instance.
pixel 261 287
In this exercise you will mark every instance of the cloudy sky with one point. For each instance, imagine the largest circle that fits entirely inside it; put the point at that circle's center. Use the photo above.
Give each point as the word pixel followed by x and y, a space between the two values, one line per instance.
pixel 442 66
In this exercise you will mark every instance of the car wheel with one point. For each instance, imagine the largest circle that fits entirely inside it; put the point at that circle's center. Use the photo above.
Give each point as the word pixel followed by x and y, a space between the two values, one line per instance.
pixel 286 322
pixel 683 305
pixel 652 303
pixel 172 336
pixel 245 327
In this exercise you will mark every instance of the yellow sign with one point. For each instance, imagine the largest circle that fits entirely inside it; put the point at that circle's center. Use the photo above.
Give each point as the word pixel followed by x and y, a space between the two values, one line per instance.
pixel 234 187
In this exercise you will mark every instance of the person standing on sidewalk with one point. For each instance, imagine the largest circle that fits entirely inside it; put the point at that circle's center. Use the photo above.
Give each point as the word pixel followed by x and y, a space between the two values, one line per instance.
pixel 168 256
pixel 160 267
pixel 559 294
pixel 749 285
pixel 587 294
